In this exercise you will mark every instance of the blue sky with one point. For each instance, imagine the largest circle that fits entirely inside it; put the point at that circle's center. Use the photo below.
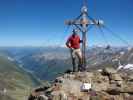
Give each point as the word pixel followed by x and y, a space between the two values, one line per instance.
pixel 41 22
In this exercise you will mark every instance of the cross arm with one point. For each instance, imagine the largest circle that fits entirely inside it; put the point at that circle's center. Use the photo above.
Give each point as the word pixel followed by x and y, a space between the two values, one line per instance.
pixel 86 22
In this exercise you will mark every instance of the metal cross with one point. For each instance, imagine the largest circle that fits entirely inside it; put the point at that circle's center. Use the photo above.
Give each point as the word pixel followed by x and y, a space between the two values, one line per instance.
pixel 82 22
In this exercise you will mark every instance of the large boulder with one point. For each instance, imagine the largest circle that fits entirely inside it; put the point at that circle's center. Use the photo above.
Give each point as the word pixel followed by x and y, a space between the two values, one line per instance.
pixel 113 90
pixel 115 77
pixel 59 95
pixel 130 78
pixel 128 88
pixel 108 71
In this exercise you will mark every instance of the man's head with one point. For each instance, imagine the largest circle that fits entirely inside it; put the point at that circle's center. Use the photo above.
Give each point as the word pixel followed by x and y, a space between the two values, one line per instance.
pixel 75 32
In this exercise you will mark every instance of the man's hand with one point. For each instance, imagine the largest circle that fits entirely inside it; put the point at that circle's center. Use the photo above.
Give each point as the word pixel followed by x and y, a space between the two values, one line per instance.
pixel 81 41
pixel 72 48
pixel 68 45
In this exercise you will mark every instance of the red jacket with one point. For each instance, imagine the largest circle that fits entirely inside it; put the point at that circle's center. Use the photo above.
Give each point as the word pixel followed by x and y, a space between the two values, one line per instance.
pixel 73 42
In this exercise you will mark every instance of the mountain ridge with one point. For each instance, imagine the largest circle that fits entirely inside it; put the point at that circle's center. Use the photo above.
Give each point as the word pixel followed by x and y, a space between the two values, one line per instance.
pixel 14 80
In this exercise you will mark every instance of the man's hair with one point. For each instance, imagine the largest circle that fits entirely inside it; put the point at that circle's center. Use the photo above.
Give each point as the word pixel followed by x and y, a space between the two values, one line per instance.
pixel 75 30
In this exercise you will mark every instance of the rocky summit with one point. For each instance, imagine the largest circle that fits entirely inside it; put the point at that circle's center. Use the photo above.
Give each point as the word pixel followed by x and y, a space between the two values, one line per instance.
pixel 106 84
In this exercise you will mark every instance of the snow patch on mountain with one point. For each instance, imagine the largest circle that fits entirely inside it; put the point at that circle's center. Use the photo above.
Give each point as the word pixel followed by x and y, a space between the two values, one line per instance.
pixel 127 66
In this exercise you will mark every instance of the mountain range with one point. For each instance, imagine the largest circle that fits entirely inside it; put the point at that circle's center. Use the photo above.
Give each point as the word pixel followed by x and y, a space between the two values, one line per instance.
pixel 22 68
pixel 46 63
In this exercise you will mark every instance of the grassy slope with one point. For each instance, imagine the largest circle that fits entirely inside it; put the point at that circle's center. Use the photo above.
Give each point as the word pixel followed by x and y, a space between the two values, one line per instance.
pixel 17 82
